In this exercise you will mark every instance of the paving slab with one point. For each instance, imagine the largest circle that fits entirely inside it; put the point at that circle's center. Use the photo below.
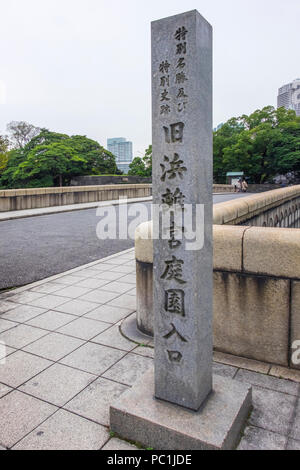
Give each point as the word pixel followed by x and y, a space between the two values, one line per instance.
pixel 295 430
pixel 109 314
pixel 129 369
pixel 99 268
pixel 241 362
pixel 30 412
pixel 73 291
pixel 90 283
pixel 54 346
pixel 20 367
pixel 93 358
pixel 274 422
pixel 224 370
pixel 58 384
pixel 5 306
pixel 109 276
pixel 129 278
pixel 4 352
pixel 100 296
pixel 293 445
pixel 4 389
pixel 272 411
pixel 123 269
pixel 117 261
pixel 84 328
pixel 26 297
pixel 144 351
pixel 21 335
pixel 117 286
pixel 112 337
pixel 89 272
pixel 65 431
pixel 77 307
pixel 47 288
pixel 132 292
pixel 6 325
pixel 23 313
pixel 124 301
pixel 93 402
pixel 260 439
pixel 69 279
pixel 48 301
pixel 266 381
pixel 51 320
pixel 285 373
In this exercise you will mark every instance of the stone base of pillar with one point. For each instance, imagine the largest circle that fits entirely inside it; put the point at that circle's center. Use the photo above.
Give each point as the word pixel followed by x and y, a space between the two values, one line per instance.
pixel 138 416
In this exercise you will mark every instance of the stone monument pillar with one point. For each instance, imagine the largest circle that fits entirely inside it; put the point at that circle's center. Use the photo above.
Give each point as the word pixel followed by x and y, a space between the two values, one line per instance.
pixel 180 405
pixel 182 183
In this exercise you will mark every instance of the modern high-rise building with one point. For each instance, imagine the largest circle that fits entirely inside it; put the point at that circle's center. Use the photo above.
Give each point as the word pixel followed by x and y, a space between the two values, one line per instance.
pixel 289 96
pixel 122 150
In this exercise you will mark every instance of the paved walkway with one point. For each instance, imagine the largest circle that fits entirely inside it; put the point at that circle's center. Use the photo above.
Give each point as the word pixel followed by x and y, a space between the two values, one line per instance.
pixel 66 360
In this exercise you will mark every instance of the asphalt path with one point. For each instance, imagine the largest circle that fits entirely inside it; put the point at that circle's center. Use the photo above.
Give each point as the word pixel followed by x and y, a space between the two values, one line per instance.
pixel 34 248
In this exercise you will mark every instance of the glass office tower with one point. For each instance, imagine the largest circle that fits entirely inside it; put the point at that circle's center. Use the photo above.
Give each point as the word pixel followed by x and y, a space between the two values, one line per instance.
pixel 289 96
pixel 122 150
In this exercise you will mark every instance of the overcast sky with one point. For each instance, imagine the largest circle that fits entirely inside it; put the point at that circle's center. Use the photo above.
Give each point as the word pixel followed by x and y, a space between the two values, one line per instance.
pixel 83 66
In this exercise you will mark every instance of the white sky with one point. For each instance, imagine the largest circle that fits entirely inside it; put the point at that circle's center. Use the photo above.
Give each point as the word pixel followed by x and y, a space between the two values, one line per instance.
pixel 83 66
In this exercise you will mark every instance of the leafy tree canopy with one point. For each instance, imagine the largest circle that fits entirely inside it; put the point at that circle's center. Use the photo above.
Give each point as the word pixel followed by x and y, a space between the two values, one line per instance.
pixel 264 144
pixel 50 158
pixel 142 166
pixel 4 145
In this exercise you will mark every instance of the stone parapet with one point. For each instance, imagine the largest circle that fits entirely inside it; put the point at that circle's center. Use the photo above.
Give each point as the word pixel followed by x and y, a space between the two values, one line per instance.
pixel 17 199
pixel 239 211
pixel 256 280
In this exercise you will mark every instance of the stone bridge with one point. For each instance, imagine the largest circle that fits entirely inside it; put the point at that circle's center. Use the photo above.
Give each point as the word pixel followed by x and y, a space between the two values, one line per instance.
pixel 256 276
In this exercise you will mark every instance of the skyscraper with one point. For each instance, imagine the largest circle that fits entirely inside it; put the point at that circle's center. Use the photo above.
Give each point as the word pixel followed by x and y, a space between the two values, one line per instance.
pixel 122 150
pixel 289 96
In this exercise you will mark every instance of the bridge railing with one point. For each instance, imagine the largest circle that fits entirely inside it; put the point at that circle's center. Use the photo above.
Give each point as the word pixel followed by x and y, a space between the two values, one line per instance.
pixel 17 199
pixel 256 279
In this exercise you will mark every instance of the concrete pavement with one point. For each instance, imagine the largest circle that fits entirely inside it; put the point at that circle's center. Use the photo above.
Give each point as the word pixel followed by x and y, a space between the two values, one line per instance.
pixel 66 360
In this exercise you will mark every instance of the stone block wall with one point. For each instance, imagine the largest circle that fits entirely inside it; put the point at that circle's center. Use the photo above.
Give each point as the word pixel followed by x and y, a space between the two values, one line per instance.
pixel 256 281
pixel 17 199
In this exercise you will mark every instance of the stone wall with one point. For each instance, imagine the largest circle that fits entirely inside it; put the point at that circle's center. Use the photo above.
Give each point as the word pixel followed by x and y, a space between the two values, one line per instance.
pixel 223 188
pixel 259 209
pixel 261 188
pixel 256 280
pixel 95 180
pixel 17 199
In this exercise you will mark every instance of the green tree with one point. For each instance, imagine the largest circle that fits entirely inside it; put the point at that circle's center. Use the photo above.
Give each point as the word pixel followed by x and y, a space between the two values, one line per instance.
pixel 142 166
pixel 56 161
pixel 4 144
pixel 263 144
pixel 51 159
pixel 148 161
pixel 287 150
pixel 137 167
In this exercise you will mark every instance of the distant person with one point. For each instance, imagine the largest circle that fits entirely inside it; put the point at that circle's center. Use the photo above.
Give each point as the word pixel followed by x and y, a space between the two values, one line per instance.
pixel 239 185
pixel 244 186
